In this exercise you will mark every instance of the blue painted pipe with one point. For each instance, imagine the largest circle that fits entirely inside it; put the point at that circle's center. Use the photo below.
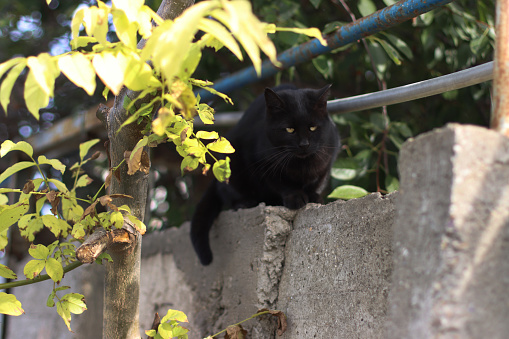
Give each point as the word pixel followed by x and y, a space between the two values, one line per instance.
pixel 374 23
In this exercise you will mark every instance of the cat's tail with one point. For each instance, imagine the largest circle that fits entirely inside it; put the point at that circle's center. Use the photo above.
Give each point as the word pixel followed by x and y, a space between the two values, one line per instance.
pixel 206 212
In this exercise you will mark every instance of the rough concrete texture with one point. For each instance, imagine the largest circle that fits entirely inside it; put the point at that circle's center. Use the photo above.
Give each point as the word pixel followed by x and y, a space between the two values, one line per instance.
pixel 337 270
pixel 331 278
pixel 327 267
pixel 451 237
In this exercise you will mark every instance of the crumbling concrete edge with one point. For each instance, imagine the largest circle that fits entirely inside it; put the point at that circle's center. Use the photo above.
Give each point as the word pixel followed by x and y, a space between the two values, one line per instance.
pixel 278 225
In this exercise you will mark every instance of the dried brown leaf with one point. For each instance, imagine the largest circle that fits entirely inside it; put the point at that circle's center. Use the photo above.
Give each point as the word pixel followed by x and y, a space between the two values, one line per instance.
pixel 96 155
pixel 90 210
pixel 282 323
pixel 29 187
pixel 54 200
pixel 107 182
pixel 235 332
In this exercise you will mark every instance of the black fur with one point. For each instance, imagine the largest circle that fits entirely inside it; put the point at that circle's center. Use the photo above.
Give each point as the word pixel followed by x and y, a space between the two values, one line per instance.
pixel 284 144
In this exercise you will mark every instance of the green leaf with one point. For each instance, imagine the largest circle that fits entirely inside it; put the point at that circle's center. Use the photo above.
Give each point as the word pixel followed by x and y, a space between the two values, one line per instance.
pixel 63 311
pixel 50 302
pixel 78 231
pixel 55 270
pixel 221 169
pixel 347 192
pixel 75 302
pixel 85 147
pixel 221 145
pixel 175 315
pixel 324 65
pixel 207 135
pixel 55 163
pixel 29 225
pixel 391 183
pixel 15 168
pixel 189 163
pixel 316 3
pixel 151 333
pixel 38 251
pixel 378 121
pixel 344 173
pixel 10 305
pixel 83 181
pixel 8 83
pixel 79 70
pixel 117 219
pixel 399 44
pixel 7 273
pixel 12 213
pixel 33 268
pixel 23 146
pixel 391 52
pixel 60 185
pixel 366 7
pixel 57 226
pixel 206 114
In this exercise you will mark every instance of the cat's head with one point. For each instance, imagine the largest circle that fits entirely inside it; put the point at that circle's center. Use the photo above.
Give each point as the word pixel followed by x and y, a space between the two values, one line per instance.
pixel 297 119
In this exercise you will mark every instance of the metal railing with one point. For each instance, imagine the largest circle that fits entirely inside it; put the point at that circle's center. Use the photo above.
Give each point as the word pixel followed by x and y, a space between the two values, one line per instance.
pixel 374 23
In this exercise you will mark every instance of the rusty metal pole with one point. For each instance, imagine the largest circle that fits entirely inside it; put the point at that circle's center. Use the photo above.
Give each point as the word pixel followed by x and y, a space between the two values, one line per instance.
pixel 500 111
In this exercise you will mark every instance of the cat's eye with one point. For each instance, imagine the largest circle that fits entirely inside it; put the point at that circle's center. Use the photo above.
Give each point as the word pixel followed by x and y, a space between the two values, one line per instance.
pixel 290 130
pixel 313 128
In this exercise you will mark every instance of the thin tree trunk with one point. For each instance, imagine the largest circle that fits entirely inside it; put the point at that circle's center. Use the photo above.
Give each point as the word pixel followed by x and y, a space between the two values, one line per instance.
pixel 122 285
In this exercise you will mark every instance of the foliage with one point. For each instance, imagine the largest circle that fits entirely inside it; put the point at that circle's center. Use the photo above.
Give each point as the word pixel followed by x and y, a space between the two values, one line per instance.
pixel 161 71
pixel 456 36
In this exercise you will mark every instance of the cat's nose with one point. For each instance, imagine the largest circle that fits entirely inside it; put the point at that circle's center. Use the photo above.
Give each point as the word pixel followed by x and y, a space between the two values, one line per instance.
pixel 304 143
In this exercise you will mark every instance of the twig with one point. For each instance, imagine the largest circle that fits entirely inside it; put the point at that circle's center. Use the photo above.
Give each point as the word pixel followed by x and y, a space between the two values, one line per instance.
pixel 39 278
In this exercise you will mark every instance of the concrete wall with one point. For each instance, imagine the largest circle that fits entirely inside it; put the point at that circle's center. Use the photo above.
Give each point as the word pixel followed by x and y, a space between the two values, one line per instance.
pixel 427 262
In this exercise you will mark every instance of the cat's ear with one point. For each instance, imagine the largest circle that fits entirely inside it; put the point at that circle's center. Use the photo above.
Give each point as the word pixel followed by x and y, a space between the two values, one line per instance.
pixel 322 95
pixel 272 100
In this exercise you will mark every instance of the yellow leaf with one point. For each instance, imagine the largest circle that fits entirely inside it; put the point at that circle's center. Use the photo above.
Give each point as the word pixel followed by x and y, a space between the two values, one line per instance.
pixel 76 22
pixel 138 74
pixel 79 70
pixel 129 7
pixel 125 29
pixel 96 22
pixel 40 82
pixel 35 96
pixel 10 305
pixel 174 40
pixel 110 69
pixel 312 32
pixel 221 34
pixel 8 83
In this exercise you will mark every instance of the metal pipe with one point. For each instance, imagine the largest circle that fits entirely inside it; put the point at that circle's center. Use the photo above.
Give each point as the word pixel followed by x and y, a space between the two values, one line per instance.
pixel 418 90
pixel 374 23
pixel 500 107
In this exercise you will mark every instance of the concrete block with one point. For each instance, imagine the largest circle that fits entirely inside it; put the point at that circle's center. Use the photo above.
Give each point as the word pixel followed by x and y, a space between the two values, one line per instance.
pixel 337 270
pixel 248 248
pixel 330 274
pixel 451 236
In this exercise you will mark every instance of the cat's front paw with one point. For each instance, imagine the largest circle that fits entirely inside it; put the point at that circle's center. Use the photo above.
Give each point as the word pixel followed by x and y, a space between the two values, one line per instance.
pixel 294 201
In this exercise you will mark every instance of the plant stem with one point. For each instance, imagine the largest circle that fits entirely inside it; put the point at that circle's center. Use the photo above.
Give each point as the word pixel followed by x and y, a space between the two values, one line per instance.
pixel 40 278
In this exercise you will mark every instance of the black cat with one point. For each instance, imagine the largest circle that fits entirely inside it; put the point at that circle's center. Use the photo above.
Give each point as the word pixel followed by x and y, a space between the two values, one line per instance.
pixel 284 144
